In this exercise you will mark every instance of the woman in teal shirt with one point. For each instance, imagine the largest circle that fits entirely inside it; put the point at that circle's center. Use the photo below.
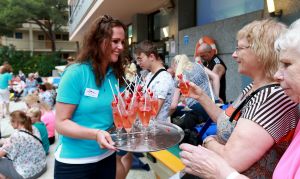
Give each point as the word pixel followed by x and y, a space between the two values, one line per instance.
pixel 83 109
pixel 5 79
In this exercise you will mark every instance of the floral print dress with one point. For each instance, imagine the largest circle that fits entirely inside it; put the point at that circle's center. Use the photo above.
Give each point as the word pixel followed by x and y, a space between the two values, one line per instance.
pixel 26 153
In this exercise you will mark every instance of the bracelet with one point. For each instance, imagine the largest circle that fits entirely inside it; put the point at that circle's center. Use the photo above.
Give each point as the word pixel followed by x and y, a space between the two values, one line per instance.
pixel 207 140
pixel 233 175
pixel 97 134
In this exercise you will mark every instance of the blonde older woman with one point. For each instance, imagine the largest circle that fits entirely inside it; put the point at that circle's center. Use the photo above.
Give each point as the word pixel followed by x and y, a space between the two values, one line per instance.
pixel 253 141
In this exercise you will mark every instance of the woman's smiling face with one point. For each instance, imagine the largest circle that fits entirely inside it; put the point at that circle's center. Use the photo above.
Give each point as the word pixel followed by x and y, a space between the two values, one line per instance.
pixel 247 60
pixel 117 43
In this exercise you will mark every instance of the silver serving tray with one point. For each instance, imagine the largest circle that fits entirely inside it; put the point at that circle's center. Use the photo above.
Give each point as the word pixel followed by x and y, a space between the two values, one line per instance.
pixel 164 136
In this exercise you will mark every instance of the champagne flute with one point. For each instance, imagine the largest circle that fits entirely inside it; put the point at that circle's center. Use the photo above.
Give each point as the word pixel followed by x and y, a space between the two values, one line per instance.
pixel 145 114
pixel 184 89
pixel 117 116
pixel 154 111
pixel 128 120
pixel 134 106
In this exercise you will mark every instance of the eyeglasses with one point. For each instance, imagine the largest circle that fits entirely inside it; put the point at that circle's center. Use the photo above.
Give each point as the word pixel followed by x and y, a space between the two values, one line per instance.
pixel 238 49
pixel 139 60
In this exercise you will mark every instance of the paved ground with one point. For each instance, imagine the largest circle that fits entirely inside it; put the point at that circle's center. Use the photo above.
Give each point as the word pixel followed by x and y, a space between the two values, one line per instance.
pixel 6 130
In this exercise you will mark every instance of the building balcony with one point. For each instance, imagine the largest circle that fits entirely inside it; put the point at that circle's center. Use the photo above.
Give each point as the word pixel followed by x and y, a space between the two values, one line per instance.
pixel 40 45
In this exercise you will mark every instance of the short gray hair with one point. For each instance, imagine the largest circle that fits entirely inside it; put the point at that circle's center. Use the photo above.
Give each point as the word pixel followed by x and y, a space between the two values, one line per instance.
pixel 290 39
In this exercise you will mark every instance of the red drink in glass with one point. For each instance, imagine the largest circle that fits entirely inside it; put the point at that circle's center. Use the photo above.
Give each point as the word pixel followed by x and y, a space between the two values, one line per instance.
pixel 184 88
pixel 131 115
pixel 126 124
pixel 154 107
pixel 145 113
pixel 117 118
pixel 128 120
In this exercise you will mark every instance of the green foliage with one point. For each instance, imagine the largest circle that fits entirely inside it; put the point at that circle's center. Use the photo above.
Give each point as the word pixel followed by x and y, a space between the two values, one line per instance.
pixel 22 60
pixel 15 12
pixel 50 15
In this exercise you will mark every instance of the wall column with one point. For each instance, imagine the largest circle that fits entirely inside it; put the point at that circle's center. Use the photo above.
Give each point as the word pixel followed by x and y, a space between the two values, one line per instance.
pixel 30 39
pixel 139 28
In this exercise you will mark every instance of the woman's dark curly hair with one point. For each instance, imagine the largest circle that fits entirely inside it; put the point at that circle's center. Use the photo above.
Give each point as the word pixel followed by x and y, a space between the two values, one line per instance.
pixel 97 48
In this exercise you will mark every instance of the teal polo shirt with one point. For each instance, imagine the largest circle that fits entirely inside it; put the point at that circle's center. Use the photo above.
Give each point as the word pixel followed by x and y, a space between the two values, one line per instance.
pixel 4 79
pixel 78 87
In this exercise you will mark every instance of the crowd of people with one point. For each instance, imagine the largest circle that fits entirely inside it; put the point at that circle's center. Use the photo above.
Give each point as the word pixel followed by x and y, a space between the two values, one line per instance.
pixel 23 154
pixel 256 135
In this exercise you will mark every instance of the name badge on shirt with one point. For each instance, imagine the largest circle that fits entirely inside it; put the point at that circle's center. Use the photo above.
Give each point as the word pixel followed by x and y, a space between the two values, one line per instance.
pixel 91 92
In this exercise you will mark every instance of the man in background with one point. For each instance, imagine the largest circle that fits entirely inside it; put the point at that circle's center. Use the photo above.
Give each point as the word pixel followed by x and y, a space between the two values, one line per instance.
pixel 215 64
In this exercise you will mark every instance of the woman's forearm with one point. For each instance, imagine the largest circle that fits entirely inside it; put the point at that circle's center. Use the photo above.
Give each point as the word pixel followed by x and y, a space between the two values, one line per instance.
pixel 175 100
pixel 216 86
pixel 215 81
pixel 212 144
pixel 209 106
pixel 71 129
pixel 65 126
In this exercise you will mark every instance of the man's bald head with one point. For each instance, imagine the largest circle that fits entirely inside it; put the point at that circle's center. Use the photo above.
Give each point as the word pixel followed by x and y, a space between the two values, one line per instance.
pixel 205 51
pixel 204 47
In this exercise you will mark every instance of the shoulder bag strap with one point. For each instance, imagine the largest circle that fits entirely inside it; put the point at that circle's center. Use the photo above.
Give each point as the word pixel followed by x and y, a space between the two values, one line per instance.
pixel 160 70
pixel 32 136
pixel 238 109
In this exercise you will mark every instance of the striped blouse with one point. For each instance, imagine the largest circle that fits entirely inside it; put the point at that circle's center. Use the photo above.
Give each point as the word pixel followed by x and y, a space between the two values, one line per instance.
pixel 276 113
pixel 273 110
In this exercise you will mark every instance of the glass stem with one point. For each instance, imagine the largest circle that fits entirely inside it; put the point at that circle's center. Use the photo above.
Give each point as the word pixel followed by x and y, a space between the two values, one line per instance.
pixel 128 139
pixel 154 124
pixel 146 134
pixel 132 133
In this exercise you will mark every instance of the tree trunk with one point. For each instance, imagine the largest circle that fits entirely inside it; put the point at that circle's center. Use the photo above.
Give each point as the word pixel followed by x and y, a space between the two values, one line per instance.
pixel 53 45
pixel 46 27
pixel 52 38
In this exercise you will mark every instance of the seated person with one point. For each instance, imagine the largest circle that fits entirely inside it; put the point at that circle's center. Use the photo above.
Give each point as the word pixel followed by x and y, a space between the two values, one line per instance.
pixel 18 88
pixel 213 63
pixel 22 156
pixel 51 89
pixel 254 132
pixel 45 95
pixel 38 78
pixel 30 84
pixel 195 73
pixel 35 115
pixel 48 116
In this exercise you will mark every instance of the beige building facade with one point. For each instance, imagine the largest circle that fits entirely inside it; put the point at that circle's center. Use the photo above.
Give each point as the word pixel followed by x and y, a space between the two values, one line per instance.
pixel 31 38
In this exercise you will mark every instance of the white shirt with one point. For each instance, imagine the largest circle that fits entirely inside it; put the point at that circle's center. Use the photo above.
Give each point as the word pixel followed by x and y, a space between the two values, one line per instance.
pixel 163 88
